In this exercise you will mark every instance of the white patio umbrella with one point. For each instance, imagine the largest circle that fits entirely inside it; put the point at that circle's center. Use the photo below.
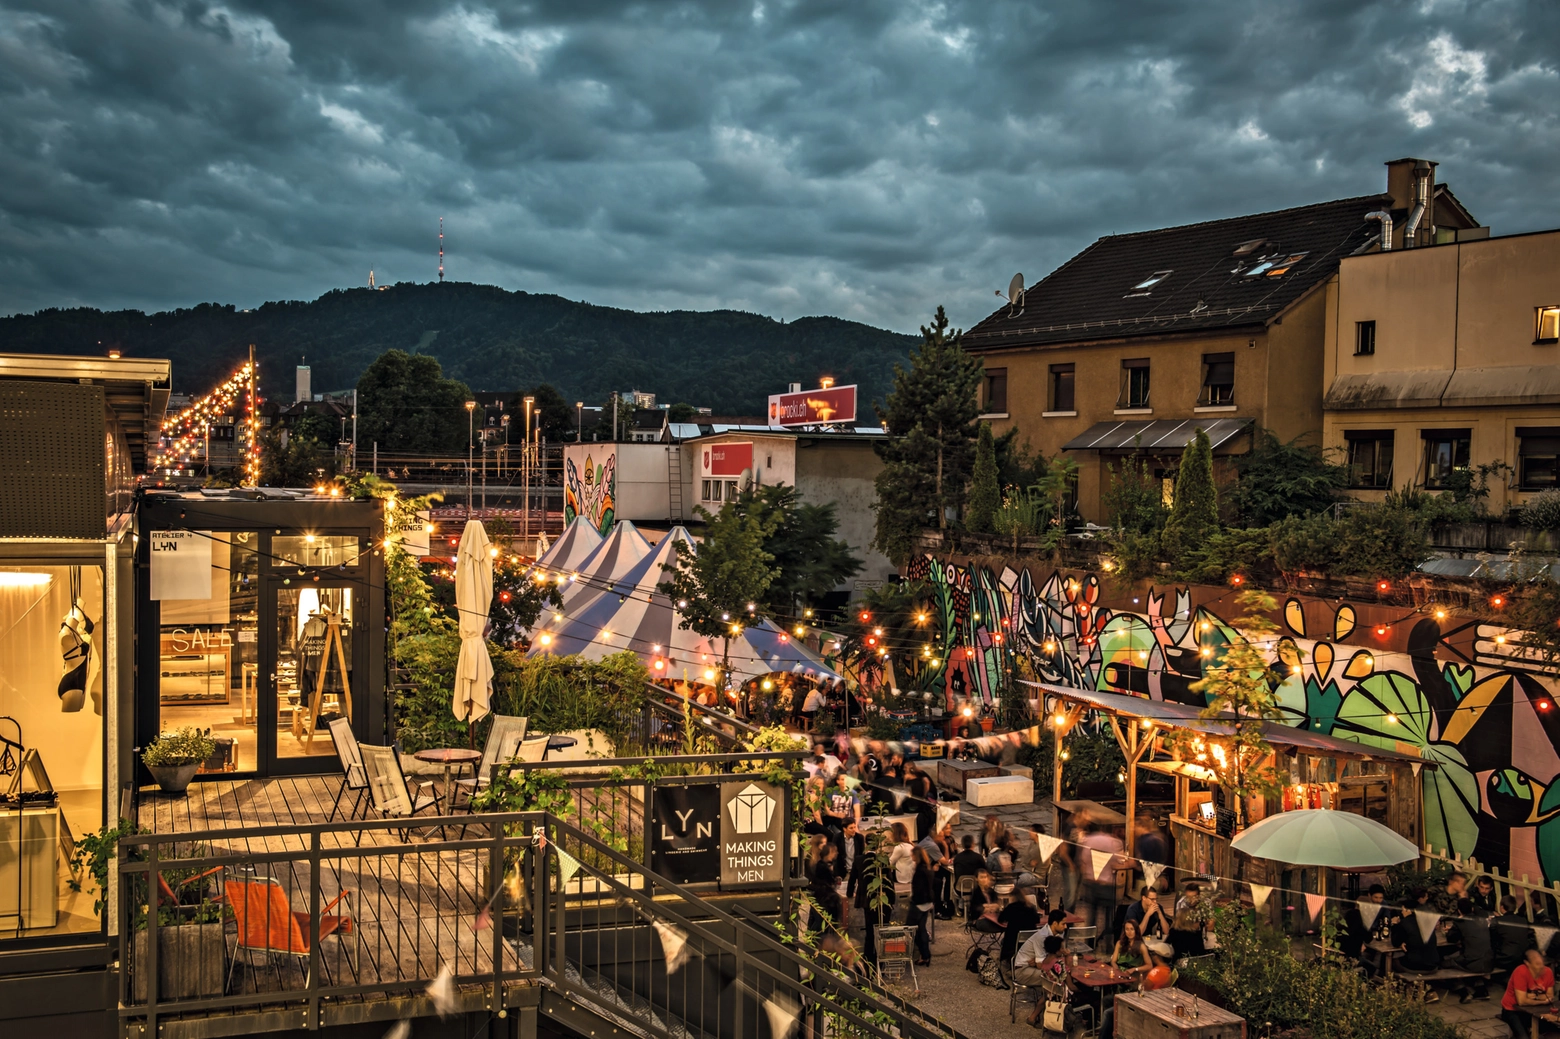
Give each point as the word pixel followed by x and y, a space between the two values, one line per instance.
pixel 473 600
pixel 1325 837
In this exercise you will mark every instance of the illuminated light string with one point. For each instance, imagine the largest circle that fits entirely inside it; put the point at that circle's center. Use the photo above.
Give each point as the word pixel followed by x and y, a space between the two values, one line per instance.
pixel 185 430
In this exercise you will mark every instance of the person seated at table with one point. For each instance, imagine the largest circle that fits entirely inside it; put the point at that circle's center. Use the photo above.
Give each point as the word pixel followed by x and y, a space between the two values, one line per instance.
pixel 1448 900
pixel 815 704
pixel 1131 954
pixel 1510 935
pixel 1055 923
pixel 1482 897
pixel 1532 984
pixel 1542 917
pixel 1016 917
pixel 1189 928
pixel 991 831
pixel 1475 954
pixel 1146 914
pixel 1049 973
pixel 985 893
pixel 967 862
pixel 1418 954
pixel 1380 931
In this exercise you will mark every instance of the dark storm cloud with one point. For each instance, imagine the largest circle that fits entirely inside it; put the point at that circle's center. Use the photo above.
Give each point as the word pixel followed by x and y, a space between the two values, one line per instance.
pixel 864 159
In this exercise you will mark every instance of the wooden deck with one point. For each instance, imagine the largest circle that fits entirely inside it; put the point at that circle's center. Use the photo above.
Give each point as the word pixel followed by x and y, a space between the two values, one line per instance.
pixel 412 911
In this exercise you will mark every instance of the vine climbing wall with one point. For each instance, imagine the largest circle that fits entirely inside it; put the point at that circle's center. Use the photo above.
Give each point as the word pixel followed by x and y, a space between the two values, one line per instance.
pixel 1415 678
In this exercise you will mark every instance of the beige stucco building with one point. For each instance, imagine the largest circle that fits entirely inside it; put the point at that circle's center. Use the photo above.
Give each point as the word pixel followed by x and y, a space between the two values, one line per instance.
pixel 1445 357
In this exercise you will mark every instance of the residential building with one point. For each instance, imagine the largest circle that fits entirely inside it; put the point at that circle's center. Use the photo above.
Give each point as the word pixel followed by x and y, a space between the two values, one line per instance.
pixel 1140 340
pixel 1443 359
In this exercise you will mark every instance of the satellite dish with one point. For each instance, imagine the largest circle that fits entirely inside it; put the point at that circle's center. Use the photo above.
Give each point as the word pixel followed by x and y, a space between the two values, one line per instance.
pixel 745 481
pixel 1014 296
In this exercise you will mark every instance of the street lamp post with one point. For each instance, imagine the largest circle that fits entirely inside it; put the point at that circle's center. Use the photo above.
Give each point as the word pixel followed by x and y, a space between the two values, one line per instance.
pixel 579 418
pixel 526 456
pixel 471 411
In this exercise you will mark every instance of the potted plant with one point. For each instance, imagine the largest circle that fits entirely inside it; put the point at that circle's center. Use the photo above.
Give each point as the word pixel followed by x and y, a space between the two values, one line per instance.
pixel 174 757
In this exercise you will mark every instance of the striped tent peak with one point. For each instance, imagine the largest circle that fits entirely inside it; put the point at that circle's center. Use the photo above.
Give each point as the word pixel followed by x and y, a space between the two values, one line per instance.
pixel 571 549
pixel 623 609
pixel 608 563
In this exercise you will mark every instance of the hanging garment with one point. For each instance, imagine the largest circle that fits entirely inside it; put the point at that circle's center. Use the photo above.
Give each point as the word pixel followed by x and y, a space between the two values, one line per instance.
pixel 76 651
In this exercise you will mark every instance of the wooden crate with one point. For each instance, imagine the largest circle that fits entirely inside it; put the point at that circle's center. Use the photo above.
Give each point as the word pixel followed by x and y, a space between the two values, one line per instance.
pixel 954 774
pixel 1151 1015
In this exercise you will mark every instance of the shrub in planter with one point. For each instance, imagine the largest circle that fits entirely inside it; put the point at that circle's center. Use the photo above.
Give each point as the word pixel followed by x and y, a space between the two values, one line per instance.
pixel 174 757
pixel 1542 511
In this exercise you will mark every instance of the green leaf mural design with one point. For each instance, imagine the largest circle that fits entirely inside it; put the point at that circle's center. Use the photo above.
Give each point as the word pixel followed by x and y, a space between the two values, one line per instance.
pixel 1460 678
pixel 1451 793
pixel 1549 832
pixel 1322 703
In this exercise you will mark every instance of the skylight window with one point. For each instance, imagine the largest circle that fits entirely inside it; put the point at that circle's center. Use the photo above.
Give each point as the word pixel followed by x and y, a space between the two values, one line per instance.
pixel 1275 266
pixel 1142 288
pixel 1247 248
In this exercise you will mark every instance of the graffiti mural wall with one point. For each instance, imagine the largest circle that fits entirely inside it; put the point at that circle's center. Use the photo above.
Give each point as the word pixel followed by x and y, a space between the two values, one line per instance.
pixel 590 488
pixel 1454 690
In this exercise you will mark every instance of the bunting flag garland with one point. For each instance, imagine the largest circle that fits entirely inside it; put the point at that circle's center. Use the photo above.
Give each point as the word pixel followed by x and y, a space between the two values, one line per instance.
pixel 1151 871
pixel 441 990
pixel 782 1016
pixel 898 793
pixel 1048 845
pixel 1426 919
pixel 1545 935
pixel 1314 905
pixel 1099 859
pixel 1368 913
pixel 1259 894
pixel 1415 766
pixel 568 865
pixel 946 814
pixel 674 945
pixel 399 1030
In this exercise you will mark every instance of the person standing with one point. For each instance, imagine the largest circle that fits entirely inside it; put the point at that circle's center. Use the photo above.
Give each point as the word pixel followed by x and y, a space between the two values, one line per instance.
pixel 1097 898
pixel 922 903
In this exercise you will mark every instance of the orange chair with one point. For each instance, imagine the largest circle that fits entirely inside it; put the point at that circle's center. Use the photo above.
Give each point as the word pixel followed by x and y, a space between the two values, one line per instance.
pixel 166 893
pixel 267 922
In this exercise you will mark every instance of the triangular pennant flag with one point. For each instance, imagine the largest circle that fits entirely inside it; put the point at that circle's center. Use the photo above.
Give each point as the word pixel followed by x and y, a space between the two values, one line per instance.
pixel 1151 871
pixel 1313 905
pixel 1099 859
pixel 1048 845
pixel 674 945
pixel 568 865
pixel 1415 766
pixel 1259 894
pixel 441 990
pixel 399 1030
pixel 946 814
pixel 1426 919
pixel 1545 935
pixel 1368 913
pixel 782 1016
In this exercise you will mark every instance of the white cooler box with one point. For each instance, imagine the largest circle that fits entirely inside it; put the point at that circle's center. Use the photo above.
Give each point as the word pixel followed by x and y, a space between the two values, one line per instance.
pixel 1000 790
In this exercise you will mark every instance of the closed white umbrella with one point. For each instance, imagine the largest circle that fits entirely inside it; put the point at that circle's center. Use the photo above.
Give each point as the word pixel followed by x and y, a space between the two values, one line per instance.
pixel 473 600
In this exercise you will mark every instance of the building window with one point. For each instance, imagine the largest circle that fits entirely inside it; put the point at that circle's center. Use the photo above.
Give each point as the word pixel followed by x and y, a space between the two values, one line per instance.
pixel 1370 457
pixel 1062 388
pixel 1134 384
pixel 1538 449
pixel 712 490
pixel 731 490
pixel 1218 385
pixel 1446 452
pixel 996 390
pixel 1546 325
pixel 1364 338
pixel 1143 287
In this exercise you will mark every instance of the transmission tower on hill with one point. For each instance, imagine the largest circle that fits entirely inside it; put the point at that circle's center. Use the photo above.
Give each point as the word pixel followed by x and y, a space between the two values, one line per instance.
pixel 441 250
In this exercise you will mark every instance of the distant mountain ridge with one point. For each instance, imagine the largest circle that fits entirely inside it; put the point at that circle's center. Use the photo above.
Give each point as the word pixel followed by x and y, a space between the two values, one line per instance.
pixel 490 338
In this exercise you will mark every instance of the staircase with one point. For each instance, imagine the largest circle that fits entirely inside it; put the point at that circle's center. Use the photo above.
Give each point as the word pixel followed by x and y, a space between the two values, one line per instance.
pixel 609 945
pixel 674 484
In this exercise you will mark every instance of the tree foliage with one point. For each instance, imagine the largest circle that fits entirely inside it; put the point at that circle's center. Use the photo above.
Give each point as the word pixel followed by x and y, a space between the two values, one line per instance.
pixel 985 495
pixel 714 585
pixel 1194 512
pixel 559 418
pixel 406 404
pixel 930 416
pixel 1018 464
pixel 1276 479
pixel 807 559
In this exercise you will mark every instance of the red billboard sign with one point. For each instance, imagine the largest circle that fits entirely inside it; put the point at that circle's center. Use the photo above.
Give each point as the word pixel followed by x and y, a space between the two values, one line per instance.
pixel 728 459
pixel 836 405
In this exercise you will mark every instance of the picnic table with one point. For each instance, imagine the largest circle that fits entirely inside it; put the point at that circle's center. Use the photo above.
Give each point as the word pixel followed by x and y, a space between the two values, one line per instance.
pixel 1546 1012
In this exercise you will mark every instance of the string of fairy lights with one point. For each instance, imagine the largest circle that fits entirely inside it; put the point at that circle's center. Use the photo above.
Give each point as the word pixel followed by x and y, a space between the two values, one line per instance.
pixel 184 433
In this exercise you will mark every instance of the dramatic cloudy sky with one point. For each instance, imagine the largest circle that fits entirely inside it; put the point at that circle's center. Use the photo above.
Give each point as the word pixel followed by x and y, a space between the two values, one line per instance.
pixel 861 158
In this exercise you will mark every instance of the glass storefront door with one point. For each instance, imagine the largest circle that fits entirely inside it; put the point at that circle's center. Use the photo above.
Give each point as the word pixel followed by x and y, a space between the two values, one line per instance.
pixel 314 666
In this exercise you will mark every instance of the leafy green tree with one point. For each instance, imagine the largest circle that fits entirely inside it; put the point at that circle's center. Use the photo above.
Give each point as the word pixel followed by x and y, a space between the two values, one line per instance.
pixel 681 412
pixel 406 404
pixel 894 624
pixel 1018 465
pixel 930 416
pixel 1194 512
pixel 808 560
pixel 299 456
pixel 985 495
pixel 714 585
pixel 1278 479
pixel 1133 499
pixel 558 415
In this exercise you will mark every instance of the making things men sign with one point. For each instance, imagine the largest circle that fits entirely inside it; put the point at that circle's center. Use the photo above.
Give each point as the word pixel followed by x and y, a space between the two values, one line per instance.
pixel 733 834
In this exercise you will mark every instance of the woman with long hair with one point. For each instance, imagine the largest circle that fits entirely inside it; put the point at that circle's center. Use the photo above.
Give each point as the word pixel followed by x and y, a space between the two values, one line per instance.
pixel 922 904
pixel 1131 954
pixel 828 909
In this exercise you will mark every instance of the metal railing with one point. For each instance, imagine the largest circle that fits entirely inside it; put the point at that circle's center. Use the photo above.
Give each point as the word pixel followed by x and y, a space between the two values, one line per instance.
pixel 667 720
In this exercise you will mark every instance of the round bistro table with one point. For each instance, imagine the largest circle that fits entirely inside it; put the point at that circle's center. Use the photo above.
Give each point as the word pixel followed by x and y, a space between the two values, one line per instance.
pixel 450 758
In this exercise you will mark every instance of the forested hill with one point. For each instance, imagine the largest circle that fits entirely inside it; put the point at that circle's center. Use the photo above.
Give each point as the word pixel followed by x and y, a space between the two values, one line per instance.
pixel 489 338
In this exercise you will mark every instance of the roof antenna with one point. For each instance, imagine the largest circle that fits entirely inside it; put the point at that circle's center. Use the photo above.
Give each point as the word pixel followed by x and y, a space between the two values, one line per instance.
pixel 1015 295
pixel 441 250
pixel 371 279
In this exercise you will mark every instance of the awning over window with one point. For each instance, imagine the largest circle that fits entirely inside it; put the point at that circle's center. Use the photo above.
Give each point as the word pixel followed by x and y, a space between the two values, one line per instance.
pixel 1421 389
pixel 1163 435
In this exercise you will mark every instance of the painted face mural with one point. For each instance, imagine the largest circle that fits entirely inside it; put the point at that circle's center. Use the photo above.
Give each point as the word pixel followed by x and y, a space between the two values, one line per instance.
pixel 1449 690
pixel 591 491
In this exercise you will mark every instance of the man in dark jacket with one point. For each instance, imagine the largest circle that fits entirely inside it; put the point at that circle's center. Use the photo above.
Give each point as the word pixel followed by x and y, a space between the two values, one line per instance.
pixel 1477 955
pixel 1418 954
pixel 1510 935
pixel 853 859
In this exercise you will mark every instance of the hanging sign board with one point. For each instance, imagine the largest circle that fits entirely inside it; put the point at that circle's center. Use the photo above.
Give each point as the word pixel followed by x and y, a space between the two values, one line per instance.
pixel 833 406
pixel 728 459
pixel 752 825
pixel 685 833
pixel 181 564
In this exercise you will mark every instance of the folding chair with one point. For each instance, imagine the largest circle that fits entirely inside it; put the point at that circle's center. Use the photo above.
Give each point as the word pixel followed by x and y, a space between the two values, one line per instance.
pixel 1013 984
pixel 503 744
pixel 267 923
pixel 387 787
pixel 353 776
pixel 962 891
pixel 1082 939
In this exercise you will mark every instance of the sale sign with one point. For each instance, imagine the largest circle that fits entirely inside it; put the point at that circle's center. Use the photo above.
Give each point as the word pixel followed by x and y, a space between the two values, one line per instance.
pixel 834 406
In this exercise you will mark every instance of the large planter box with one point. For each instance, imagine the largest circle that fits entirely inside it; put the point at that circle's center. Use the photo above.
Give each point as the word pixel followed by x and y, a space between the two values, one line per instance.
pixel 1152 1015
pixel 191 962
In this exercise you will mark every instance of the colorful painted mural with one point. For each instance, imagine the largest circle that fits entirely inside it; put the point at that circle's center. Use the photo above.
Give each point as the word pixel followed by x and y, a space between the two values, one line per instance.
pixel 1457 691
pixel 591 490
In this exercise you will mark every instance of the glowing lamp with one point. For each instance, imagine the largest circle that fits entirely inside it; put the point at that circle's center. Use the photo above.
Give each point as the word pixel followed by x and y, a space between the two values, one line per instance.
pixel 1543 705
pixel 503 596
pixel 1383 586
pixel 865 616
pixel 709 674
pixel 545 639
pixel 660 665
pixel 1497 602
pixel 967 712
pixel 493 552
pixel 1236 580
pixel 1391 718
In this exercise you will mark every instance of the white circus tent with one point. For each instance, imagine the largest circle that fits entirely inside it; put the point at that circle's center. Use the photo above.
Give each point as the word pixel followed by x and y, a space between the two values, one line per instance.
pixel 572 548
pixel 608 563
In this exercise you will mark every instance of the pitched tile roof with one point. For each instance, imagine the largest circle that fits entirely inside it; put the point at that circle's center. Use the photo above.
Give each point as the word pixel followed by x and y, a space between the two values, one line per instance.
pixel 1091 296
